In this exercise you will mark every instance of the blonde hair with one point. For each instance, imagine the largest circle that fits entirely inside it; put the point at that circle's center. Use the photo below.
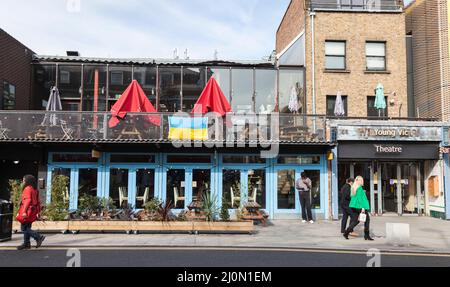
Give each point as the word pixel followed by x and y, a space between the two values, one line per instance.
pixel 359 181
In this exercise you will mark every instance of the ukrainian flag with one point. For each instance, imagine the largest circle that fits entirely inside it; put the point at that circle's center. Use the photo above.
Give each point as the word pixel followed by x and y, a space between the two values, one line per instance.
pixel 187 128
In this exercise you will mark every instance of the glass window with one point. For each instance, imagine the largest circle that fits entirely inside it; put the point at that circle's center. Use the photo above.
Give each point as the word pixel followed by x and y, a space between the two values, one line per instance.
pixel 372 111
pixel 291 80
pixel 222 76
pixel 376 56
pixel 94 94
pixel 61 157
pixel 331 103
pixel 146 77
pixel 266 90
pixel 257 187
pixel 194 81
pixel 189 159
pixel 314 176
pixel 170 89
pixel 201 183
pixel 242 90
pixel 118 187
pixel 145 186
pixel 119 79
pixel 132 158
pixel 243 159
pixel 44 79
pixel 9 96
pixel 231 183
pixel 63 172
pixel 176 184
pixel 335 55
pixel 299 159
pixel 286 189
pixel 69 82
pixel 87 182
pixel 295 55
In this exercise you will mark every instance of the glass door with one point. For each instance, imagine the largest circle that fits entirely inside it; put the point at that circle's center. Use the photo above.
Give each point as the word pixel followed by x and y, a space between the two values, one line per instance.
pixel 287 197
pixel 145 187
pixel 176 188
pixel 201 183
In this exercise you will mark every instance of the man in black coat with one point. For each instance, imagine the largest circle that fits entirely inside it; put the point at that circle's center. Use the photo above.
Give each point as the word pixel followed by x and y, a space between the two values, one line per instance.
pixel 345 202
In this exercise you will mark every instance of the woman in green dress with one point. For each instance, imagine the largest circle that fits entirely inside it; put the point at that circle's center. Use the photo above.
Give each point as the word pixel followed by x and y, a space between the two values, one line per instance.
pixel 359 204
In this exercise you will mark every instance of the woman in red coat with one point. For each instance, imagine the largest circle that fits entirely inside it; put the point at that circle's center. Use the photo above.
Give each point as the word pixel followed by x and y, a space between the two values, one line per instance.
pixel 30 201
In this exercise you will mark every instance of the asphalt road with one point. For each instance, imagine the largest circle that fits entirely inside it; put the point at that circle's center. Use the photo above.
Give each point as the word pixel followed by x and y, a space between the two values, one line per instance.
pixel 157 257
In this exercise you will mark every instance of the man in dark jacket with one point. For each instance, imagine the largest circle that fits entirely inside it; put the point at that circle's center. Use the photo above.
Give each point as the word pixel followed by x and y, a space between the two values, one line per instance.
pixel 345 202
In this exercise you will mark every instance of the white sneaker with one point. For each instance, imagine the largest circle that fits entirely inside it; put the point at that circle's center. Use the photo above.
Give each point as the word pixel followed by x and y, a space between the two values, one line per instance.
pixel 303 221
pixel 311 221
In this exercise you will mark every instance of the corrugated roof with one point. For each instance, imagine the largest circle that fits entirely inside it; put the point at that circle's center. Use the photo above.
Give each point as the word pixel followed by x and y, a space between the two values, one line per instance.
pixel 152 61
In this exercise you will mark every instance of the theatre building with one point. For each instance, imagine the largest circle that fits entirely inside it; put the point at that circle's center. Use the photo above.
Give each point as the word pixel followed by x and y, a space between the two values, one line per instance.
pixel 400 162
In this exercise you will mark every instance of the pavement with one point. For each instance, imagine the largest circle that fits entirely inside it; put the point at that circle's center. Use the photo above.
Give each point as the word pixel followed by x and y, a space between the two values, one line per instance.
pixel 428 235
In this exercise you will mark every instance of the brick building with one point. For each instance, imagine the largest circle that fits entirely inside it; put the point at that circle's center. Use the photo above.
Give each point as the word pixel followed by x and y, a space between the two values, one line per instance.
pixel 427 27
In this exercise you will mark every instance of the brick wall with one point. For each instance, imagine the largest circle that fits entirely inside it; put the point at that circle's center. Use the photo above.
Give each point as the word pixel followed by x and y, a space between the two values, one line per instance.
pixel 15 68
pixel 291 25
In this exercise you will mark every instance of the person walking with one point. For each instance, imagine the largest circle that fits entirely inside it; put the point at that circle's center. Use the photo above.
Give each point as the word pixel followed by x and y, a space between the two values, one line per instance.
pixel 345 203
pixel 303 185
pixel 359 205
pixel 29 210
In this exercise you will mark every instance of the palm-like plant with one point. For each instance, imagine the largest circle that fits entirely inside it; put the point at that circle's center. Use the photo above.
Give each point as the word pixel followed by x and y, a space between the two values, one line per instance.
pixel 210 207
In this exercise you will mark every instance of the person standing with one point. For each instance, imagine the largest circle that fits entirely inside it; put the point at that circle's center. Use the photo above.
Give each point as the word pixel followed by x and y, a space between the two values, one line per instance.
pixel 303 185
pixel 29 210
pixel 360 206
pixel 345 203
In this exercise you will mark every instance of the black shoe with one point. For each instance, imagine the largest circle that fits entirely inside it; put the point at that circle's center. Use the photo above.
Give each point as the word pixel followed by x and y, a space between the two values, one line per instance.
pixel 39 241
pixel 367 237
pixel 24 247
pixel 346 233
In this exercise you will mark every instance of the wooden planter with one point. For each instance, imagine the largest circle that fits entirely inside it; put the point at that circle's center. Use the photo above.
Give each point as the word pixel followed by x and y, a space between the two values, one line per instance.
pixel 45 226
pixel 231 226
pixel 162 226
pixel 106 225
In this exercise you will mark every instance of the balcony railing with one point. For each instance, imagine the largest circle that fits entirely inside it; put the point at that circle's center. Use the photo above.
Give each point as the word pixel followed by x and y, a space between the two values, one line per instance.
pixel 37 126
pixel 356 5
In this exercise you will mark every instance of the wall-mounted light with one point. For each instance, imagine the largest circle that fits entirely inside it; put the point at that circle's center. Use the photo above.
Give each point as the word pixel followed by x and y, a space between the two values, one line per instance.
pixel 16 162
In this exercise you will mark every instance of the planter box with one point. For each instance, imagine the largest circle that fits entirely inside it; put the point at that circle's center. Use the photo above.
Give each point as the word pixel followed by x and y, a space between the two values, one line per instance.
pixel 101 225
pixel 231 226
pixel 162 226
pixel 45 226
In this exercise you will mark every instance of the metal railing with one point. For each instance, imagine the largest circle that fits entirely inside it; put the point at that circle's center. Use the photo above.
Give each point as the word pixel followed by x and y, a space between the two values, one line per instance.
pixel 355 5
pixel 38 126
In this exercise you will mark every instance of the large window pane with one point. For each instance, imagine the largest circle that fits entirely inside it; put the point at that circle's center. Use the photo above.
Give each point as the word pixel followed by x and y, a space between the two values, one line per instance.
pixel 335 62
pixel 170 87
pixel 299 159
pixel 335 48
pixel 87 182
pixel 331 103
pixel 118 187
pixel 176 185
pixel 201 183
pixel 266 90
pixel 375 63
pixel 146 77
pixel 290 79
pixel 9 97
pixel 193 85
pixel 94 94
pixel 257 187
pixel 231 193
pixel 222 76
pixel 242 90
pixel 145 186
pixel 44 79
pixel 69 85
pixel 243 159
pixel 286 189
pixel 119 79
pixel 63 172
pixel 376 55
pixel 374 112
pixel 314 175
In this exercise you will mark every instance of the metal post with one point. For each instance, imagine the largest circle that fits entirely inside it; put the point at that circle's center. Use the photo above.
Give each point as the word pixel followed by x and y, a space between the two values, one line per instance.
pixel 372 188
pixel 380 190
pixel 418 188
pixel 334 185
pixel 399 190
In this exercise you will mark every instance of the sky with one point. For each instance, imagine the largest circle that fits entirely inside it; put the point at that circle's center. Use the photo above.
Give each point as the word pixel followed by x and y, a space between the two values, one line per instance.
pixel 237 29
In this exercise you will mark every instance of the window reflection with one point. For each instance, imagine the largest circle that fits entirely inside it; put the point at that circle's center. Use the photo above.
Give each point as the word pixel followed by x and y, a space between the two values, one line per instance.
pixel 170 89
pixel 94 94
pixel 314 175
pixel 257 187
pixel 69 85
pixel 146 77
pixel 119 79
pixel 118 187
pixel 286 189
pixel 222 76
pixel 291 81
pixel 194 81
pixel 176 184
pixel 63 172
pixel 44 79
pixel 201 183
pixel 266 90
pixel 242 90
pixel 87 182
pixel 145 186
pixel 231 183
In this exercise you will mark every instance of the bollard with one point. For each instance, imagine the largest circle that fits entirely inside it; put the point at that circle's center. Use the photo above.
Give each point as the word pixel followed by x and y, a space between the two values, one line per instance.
pixel 397 234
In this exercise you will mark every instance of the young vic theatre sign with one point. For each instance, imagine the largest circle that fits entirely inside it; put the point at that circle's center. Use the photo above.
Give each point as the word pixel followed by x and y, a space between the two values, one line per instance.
pixel 389 133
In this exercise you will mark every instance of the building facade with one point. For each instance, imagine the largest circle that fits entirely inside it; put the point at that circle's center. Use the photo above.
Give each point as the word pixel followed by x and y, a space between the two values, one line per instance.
pixel 427 30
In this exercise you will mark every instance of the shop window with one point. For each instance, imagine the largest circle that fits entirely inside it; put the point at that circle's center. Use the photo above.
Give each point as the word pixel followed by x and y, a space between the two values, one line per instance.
pixel 145 187
pixel 335 55
pixel 118 187
pixel 61 157
pixel 87 183
pixel 188 159
pixel 243 159
pixel 286 189
pixel 290 80
pixel 170 89
pixel 299 159
pixel 376 56
pixel 314 175
pixel 66 173
pixel 331 103
pixel 231 188
pixel 9 96
pixel 266 90
pixel 201 183
pixel 242 90
pixel 374 112
pixel 194 81
pixel 94 85
pixel 175 188
pixel 132 158
pixel 257 187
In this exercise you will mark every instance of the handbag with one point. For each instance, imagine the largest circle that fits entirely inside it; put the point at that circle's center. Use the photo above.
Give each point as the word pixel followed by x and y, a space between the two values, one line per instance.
pixel 362 217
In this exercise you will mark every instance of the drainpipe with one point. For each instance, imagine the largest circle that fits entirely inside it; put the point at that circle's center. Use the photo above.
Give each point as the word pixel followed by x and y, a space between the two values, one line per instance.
pixel 313 67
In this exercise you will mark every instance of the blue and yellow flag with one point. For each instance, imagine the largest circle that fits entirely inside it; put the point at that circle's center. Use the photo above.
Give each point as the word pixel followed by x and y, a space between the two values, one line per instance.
pixel 187 128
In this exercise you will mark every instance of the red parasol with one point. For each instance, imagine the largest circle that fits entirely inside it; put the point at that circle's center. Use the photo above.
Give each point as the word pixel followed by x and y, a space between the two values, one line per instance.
pixel 212 99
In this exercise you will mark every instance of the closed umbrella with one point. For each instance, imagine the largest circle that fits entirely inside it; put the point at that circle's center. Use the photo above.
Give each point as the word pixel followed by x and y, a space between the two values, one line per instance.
pixel 380 101
pixel 53 105
pixel 293 100
pixel 212 99
pixel 339 110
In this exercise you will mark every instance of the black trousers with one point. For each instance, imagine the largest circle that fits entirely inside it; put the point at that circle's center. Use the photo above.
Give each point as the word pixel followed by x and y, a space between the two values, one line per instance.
pixel 305 202
pixel 354 222
pixel 346 214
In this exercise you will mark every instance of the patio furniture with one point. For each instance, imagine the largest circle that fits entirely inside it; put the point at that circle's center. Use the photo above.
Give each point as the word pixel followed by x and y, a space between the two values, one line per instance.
pixel 129 130
pixel 176 196
pixel 68 132
pixel 233 197
pixel 252 212
pixel 40 132
pixel 252 198
pixel 66 195
pixel 3 131
pixel 144 198
pixel 123 196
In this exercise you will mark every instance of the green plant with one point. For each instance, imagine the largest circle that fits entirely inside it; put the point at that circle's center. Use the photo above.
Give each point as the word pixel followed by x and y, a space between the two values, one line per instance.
pixel 210 208
pixel 57 210
pixel 165 211
pixel 15 189
pixel 89 204
pixel 224 213
pixel 152 205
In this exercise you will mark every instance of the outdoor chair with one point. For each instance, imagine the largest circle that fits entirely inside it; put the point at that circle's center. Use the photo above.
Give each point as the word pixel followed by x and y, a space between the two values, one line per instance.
pixel 123 196
pixel 68 132
pixel 176 196
pixel 66 195
pixel 252 198
pixel 144 198
pixel 3 131
pixel 234 198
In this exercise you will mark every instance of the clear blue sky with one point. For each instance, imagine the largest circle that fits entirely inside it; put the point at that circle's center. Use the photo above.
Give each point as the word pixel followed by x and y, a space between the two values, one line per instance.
pixel 238 29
